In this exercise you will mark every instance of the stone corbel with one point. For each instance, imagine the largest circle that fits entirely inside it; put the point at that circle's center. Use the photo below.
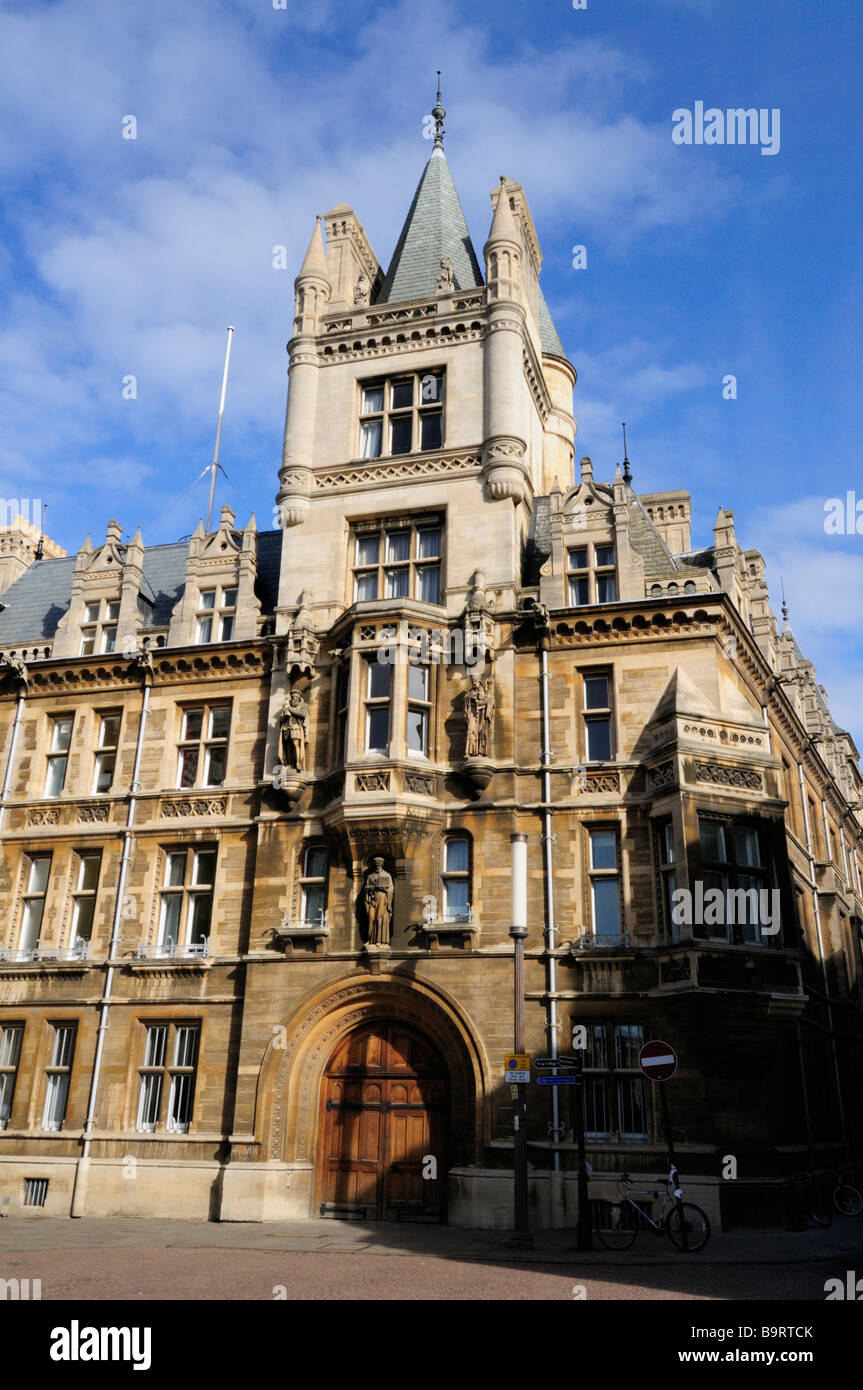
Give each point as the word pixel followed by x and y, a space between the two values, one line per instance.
pixel 504 468
pixel 294 496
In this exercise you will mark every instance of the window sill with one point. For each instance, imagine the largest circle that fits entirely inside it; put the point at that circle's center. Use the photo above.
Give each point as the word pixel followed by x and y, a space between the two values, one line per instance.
pixel 405 454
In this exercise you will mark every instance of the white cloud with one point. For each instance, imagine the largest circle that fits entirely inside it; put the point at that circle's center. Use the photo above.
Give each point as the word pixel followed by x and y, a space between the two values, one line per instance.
pixel 823 582
pixel 143 251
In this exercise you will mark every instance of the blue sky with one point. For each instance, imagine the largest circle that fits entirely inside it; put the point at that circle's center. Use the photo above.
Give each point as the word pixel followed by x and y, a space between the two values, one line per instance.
pixel 126 257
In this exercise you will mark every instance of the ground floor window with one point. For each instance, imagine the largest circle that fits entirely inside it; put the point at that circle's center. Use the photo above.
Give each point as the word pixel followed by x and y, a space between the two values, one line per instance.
pixel 167 1077
pixel 10 1053
pixel 615 1101
pixel 58 1073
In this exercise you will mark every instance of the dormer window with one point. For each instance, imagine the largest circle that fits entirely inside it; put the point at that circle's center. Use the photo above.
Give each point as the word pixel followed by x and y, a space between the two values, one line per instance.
pixel 99 628
pixel 591 574
pixel 217 611
pixel 401 415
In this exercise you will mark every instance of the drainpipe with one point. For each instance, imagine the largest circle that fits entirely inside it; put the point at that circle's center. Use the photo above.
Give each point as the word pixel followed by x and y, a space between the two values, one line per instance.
pixel 10 757
pixel 844 850
pixel 543 642
pixel 818 933
pixel 83 1166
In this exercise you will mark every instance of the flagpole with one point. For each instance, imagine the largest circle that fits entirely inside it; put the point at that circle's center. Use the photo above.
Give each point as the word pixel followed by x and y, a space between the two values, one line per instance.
pixel 215 464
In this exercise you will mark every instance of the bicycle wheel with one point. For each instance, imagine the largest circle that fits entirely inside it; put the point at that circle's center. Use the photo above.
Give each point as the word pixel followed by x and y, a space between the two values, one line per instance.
pixel 819 1214
pixel 688 1227
pixel 616 1225
pixel 847 1200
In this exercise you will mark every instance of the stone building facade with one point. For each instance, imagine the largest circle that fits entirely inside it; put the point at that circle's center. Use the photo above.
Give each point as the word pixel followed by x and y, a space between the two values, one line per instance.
pixel 258 790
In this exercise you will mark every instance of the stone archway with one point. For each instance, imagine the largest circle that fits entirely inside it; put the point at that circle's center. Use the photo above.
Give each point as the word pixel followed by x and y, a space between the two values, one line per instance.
pixel 291 1078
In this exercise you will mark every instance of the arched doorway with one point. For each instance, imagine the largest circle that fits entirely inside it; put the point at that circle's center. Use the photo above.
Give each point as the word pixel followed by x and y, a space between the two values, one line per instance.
pixel 382 1136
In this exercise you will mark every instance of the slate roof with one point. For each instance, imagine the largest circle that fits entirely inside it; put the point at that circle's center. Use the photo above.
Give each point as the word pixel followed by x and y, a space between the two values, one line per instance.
pixel 37 601
pixel 647 542
pixel 434 229
pixel 698 559
pixel 548 334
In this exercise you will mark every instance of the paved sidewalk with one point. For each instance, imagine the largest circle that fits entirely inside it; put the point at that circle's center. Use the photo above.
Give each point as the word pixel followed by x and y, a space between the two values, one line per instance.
pixel 22 1234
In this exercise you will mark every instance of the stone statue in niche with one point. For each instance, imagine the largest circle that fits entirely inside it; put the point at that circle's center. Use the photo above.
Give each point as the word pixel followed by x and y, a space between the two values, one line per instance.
pixel 294 731
pixel 445 281
pixel 479 716
pixel 378 900
pixel 362 290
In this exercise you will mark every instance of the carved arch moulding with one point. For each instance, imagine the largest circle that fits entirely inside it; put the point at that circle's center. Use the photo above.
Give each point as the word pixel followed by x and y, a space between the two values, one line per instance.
pixel 289 1085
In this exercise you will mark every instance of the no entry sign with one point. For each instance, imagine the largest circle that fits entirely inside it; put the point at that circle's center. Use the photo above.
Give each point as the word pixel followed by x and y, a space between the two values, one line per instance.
pixel 658 1060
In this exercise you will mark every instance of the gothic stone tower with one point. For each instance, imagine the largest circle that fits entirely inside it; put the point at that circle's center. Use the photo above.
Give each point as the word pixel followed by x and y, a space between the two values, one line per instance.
pixel 259 788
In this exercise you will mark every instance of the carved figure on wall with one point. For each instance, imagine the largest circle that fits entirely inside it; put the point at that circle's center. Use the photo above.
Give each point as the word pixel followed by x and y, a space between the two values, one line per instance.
pixel 362 290
pixel 16 666
pixel 480 600
pixel 144 657
pixel 294 731
pixel 303 617
pixel 378 899
pixel 479 716
pixel 445 275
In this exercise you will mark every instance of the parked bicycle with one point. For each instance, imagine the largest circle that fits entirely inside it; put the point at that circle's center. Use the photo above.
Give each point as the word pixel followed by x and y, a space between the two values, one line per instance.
pixel 618 1223
pixel 846 1197
pixel 805 1203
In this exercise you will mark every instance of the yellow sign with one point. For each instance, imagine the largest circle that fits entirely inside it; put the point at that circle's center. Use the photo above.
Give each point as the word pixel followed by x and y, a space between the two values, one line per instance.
pixel 517 1061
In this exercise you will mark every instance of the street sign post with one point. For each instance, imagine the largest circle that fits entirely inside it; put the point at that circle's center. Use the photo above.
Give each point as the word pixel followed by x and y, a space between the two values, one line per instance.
pixel 517 1066
pixel 658 1060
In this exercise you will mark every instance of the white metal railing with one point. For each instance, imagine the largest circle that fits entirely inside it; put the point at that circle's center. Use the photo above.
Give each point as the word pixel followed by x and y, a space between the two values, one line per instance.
pixel 450 919
pixel 590 941
pixel 38 952
pixel 303 926
pixel 173 950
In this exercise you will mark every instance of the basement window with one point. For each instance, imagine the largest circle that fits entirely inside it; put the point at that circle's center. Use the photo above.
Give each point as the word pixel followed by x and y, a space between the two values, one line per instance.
pixel 35 1192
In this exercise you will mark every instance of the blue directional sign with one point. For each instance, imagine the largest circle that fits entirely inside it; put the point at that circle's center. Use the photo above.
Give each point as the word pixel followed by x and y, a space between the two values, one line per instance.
pixel 555 1081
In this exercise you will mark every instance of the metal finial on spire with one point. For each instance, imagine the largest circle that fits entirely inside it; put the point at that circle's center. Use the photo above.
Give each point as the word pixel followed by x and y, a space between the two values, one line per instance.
pixel 40 548
pixel 784 604
pixel 438 112
pixel 627 475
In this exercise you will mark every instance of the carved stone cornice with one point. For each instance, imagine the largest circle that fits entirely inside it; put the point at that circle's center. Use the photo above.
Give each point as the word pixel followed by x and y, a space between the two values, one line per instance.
pixel 370 473
pixel 76 673
pixel 213 661
pixel 434 335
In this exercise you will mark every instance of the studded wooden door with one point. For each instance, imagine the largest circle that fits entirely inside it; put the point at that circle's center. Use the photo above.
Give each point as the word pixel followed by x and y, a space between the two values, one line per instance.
pixel 382 1135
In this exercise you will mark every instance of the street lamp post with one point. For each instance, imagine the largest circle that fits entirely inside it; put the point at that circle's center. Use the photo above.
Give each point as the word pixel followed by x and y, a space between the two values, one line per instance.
pixel 522 1239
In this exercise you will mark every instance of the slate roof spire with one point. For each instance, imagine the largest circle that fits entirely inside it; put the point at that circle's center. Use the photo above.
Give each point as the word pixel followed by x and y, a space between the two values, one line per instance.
pixel 435 230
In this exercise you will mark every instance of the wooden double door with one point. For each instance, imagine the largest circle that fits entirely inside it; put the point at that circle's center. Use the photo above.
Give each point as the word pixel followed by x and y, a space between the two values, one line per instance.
pixel 383 1127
